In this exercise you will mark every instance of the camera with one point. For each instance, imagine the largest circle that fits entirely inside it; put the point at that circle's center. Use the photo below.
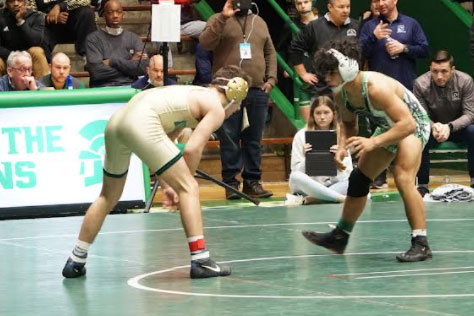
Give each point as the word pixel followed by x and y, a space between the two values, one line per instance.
pixel 243 5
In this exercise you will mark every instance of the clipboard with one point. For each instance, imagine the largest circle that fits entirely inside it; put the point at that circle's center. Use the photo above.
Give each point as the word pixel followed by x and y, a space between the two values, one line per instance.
pixel 320 161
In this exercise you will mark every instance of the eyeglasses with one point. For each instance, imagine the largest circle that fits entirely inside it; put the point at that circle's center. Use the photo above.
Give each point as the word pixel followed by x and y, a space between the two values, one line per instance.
pixel 23 70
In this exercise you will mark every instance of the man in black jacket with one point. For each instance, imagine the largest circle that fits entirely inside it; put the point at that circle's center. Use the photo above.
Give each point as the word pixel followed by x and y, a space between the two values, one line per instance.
pixel 333 25
pixel 22 29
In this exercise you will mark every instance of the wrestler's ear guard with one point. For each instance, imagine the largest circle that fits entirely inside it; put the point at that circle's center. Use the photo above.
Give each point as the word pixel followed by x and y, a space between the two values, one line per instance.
pixel 236 89
pixel 348 67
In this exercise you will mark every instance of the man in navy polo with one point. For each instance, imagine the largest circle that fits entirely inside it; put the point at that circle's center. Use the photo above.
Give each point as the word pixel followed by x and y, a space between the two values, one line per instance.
pixel 391 43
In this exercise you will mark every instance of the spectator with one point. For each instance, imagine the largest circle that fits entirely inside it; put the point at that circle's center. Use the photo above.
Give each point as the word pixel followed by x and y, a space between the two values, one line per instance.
pixel 60 77
pixel 321 188
pixel 447 95
pixel 335 24
pixel 23 29
pixel 397 58
pixel 68 21
pixel 114 55
pixel 369 15
pixel 19 75
pixel 242 38
pixel 305 15
pixel 154 76
pixel 391 43
pixel 193 27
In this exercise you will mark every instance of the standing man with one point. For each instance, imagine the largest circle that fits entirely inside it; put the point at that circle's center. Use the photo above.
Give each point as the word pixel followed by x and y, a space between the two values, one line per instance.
pixel 147 126
pixel 335 24
pixel 447 95
pixel 242 38
pixel 60 77
pixel 306 14
pixel 391 43
pixel 19 75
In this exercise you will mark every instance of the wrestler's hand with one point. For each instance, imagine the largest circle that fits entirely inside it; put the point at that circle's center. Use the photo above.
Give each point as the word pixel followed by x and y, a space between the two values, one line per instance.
pixel 359 145
pixel 170 199
pixel 339 156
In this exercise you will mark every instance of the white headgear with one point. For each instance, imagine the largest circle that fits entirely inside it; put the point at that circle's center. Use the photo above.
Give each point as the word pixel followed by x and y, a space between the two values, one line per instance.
pixel 348 67
pixel 236 89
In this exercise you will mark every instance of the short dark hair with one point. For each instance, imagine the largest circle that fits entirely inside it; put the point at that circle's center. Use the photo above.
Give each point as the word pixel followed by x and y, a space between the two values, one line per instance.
pixel 325 62
pixel 229 72
pixel 442 56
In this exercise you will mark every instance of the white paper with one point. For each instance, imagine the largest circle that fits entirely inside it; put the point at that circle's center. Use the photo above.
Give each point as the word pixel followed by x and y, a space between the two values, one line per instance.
pixel 165 23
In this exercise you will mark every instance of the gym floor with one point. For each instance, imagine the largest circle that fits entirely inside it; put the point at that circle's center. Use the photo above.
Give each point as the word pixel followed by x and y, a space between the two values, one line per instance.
pixel 139 264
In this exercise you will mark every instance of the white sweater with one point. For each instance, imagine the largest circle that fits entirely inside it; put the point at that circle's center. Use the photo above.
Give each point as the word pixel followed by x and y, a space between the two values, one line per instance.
pixel 298 161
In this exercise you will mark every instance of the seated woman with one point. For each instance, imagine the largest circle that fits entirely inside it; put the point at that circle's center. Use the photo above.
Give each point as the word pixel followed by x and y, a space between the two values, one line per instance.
pixel 307 189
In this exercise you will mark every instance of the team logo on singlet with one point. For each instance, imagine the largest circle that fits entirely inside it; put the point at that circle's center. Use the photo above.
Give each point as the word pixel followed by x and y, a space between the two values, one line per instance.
pixel 91 158
pixel 180 124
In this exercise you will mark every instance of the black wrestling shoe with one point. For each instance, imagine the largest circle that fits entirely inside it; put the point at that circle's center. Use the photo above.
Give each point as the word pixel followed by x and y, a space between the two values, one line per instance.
pixel 335 240
pixel 419 251
pixel 73 269
pixel 208 269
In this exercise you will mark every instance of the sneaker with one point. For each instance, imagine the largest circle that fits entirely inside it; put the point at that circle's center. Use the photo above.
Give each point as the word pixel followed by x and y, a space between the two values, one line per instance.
pixel 380 182
pixel 293 200
pixel 230 195
pixel 419 251
pixel 73 269
pixel 423 190
pixel 208 269
pixel 254 189
pixel 335 240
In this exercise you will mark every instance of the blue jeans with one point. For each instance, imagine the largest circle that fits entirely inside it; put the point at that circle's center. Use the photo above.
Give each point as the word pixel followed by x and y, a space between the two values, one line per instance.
pixel 464 136
pixel 241 150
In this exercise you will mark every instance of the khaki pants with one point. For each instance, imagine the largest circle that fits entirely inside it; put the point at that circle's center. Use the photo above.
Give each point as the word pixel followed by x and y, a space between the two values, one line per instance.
pixel 40 64
pixel 3 68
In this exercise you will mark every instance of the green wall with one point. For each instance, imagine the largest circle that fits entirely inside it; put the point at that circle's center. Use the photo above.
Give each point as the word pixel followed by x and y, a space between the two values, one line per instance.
pixel 446 25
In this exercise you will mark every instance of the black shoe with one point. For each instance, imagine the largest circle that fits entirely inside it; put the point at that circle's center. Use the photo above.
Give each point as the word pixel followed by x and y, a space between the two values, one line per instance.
pixel 230 195
pixel 419 251
pixel 335 240
pixel 380 182
pixel 208 269
pixel 73 269
pixel 422 190
pixel 254 189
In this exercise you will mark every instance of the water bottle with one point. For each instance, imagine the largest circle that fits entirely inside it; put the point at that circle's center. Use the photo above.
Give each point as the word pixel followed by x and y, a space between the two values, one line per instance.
pixel 69 84
pixel 388 39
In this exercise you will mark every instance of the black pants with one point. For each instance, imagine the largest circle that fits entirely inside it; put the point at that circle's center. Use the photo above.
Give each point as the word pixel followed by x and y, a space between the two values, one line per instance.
pixel 464 136
pixel 80 23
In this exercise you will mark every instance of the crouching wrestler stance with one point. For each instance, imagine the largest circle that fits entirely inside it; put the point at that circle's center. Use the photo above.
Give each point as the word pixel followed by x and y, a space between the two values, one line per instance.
pixel 402 131
pixel 146 126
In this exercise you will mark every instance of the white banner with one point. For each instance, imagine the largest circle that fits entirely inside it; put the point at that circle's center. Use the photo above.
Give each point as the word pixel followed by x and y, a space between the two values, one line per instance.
pixel 53 155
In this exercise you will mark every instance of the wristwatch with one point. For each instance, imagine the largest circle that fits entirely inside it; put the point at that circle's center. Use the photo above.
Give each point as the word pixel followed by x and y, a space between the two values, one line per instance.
pixel 406 49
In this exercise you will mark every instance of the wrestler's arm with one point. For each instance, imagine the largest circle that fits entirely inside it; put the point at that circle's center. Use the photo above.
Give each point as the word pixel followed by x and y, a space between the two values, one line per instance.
pixel 212 117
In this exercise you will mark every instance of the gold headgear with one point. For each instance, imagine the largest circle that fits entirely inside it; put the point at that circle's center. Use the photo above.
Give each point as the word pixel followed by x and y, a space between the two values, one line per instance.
pixel 236 89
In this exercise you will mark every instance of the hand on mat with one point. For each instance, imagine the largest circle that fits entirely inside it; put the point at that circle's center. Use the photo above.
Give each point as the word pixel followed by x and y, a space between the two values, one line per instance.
pixel 360 145
pixel 170 199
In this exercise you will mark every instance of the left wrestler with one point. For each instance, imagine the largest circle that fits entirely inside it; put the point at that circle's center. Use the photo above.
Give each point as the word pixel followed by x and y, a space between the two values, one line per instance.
pixel 146 126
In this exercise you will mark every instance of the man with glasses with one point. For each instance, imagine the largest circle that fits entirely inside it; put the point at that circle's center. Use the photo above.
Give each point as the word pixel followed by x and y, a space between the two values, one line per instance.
pixel 19 75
